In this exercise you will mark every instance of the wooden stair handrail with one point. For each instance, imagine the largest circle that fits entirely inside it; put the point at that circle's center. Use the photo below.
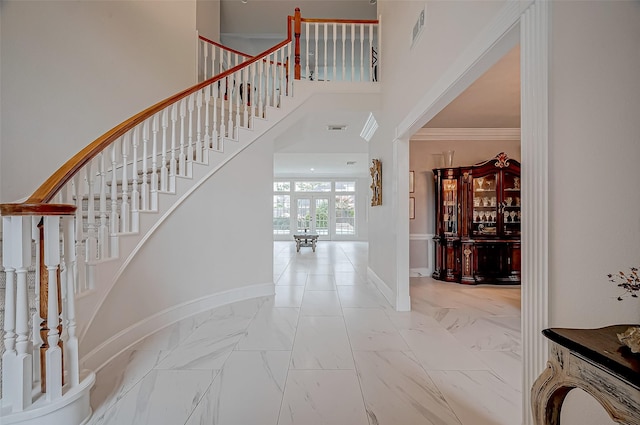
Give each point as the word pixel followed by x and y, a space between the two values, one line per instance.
pixel 237 52
pixel 340 21
pixel 37 203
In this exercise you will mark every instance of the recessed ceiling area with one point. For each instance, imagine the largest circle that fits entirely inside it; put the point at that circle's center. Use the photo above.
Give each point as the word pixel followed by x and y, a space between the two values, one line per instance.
pixel 492 101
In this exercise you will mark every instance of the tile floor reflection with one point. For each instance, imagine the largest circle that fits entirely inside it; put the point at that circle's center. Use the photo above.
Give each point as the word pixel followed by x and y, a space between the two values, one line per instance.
pixel 327 349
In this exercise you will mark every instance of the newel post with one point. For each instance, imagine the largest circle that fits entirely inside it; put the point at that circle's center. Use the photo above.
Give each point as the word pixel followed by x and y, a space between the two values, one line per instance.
pixel 297 26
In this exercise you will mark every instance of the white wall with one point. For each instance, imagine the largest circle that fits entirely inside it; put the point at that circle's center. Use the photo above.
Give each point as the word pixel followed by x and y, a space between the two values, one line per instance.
pixel 208 245
pixel 208 19
pixel 423 158
pixel 594 219
pixel 407 74
pixel 73 70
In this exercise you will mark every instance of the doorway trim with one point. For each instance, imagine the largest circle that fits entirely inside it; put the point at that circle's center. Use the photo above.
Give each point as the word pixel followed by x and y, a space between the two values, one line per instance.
pixel 525 22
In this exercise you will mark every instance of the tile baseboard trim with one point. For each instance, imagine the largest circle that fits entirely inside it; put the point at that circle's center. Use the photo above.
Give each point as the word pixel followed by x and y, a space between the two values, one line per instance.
pixel 387 292
pixel 112 347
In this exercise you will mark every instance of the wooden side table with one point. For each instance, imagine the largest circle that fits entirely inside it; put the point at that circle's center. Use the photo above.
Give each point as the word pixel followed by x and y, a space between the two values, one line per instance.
pixel 306 239
pixel 594 361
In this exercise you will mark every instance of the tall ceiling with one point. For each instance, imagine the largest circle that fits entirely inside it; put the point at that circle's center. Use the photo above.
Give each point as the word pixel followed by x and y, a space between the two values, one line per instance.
pixel 492 101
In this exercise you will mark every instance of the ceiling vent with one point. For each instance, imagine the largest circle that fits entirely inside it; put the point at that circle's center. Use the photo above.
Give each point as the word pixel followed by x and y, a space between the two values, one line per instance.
pixel 351 163
pixel 336 127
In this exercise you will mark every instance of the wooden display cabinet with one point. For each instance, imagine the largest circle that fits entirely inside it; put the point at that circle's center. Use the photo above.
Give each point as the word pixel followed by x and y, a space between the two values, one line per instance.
pixel 477 235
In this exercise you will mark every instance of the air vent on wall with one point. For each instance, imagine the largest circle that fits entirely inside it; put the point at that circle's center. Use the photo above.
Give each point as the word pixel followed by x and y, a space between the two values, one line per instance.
pixel 351 163
pixel 336 127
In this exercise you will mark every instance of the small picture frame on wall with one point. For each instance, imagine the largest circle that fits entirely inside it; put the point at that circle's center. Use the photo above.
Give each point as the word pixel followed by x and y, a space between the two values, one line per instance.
pixel 412 208
pixel 411 182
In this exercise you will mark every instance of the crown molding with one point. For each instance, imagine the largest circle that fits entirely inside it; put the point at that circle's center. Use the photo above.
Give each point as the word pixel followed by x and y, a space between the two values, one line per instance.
pixel 431 134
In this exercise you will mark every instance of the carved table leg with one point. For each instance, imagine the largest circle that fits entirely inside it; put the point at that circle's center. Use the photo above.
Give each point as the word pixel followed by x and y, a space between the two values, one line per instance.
pixel 547 396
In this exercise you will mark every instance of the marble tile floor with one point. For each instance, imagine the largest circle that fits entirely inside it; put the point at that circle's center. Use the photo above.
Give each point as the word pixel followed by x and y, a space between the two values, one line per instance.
pixel 327 349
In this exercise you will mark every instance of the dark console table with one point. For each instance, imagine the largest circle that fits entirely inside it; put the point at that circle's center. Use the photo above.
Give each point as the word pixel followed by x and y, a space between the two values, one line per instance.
pixel 594 361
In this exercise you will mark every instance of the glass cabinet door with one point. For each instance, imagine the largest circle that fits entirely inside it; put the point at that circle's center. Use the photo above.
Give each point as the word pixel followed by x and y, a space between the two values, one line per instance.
pixel 485 205
pixel 450 206
pixel 511 204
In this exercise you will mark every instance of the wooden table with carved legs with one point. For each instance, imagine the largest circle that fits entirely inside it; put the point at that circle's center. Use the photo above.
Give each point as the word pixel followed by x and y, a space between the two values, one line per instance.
pixel 306 239
pixel 594 361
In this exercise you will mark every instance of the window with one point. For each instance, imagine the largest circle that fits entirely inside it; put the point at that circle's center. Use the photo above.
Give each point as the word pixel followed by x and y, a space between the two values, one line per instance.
pixel 345 186
pixel 281 214
pixel 345 215
pixel 282 186
pixel 313 186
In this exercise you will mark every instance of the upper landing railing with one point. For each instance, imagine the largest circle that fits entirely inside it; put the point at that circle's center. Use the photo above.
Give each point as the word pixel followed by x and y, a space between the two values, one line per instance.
pixel 76 217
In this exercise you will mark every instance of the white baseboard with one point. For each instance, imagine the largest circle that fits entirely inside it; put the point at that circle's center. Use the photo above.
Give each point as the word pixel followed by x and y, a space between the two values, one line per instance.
pixel 420 272
pixel 382 287
pixel 101 355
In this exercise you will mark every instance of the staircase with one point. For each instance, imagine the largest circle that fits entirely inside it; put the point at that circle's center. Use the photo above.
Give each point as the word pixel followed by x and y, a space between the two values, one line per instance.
pixel 103 205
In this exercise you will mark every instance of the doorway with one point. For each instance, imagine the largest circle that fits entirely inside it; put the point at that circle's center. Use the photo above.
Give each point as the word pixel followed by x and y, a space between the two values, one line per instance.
pixel 312 215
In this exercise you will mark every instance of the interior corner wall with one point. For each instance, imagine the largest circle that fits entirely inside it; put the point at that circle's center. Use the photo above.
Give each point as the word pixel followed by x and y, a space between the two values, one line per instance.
pixel 73 70
pixel 594 225
pixel 219 239
pixel 424 156
pixel 408 72
pixel 208 19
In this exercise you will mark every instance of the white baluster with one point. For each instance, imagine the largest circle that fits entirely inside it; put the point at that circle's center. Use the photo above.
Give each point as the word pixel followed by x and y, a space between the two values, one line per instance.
pixel 36 318
pixel 274 78
pixel 306 51
pixel 215 136
pixel 223 94
pixel 173 163
pixel 81 272
pixel 71 344
pixel 370 50
pixel 124 206
pixel 199 138
pixel 237 76
pixel 53 354
pixel 182 164
pixel 190 141
pixel 164 184
pixel 10 377
pixel 361 52
pixel 205 55
pixel 24 359
pixel 246 95
pixel 315 50
pixel 344 52
pixel 353 39
pixel 208 144
pixel 230 93
pixel 326 75
pixel 92 228
pixel 144 187
pixel 154 164
pixel 103 239
pixel 134 136
pixel 260 88
pixel 114 219
pixel 335 38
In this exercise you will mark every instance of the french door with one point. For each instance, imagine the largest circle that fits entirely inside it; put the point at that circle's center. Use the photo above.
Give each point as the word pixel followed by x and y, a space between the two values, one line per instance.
pixel 312 215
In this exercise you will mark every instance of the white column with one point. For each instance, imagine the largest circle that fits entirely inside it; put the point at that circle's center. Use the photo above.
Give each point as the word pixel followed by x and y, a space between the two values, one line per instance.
pixel 9 365
pixel 534 54
pixel 24 359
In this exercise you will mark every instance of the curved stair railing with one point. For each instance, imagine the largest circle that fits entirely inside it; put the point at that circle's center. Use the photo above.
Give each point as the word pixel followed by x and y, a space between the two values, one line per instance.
pixel 214 58
pixel 76 218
